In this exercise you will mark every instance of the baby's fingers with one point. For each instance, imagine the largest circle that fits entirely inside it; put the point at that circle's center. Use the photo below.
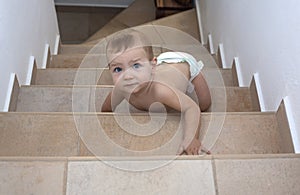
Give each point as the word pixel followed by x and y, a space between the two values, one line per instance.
pixel 180 150
pixel 203 149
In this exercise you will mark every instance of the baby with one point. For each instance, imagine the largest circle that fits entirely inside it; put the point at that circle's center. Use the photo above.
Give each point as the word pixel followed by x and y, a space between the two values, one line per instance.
pixel 143 80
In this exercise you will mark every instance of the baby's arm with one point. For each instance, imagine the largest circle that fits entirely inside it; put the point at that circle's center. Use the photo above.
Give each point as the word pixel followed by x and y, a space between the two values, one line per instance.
pixel 179 101
pixel 191 143
pixel 111 101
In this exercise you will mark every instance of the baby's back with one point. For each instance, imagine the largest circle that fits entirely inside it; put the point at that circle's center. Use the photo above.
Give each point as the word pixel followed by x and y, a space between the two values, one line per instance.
pixel 175 75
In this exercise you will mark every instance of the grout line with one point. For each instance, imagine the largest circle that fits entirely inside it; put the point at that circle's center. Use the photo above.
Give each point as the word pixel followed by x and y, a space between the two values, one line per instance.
pixel 65 179
pixel 90 98
pixel 214 169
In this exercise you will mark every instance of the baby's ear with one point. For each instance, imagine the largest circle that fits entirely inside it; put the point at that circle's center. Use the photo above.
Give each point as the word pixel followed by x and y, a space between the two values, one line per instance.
pixel 154 61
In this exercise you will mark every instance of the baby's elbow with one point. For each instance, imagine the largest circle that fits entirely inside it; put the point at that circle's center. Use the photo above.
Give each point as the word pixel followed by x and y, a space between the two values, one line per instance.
pixel 106 109
pixel 205 105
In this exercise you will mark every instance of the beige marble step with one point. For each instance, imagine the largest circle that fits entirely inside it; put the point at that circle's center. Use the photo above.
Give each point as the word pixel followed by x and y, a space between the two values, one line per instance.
pixel 102 76
pixel 105 134
pixel 82 49
pixel 90 98
pixel 100 61
pixel 78 61
pixel 65 176
pixel 267 174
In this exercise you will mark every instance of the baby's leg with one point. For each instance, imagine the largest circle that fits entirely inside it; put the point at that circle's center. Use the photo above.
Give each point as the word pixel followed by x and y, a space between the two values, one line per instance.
pixel 202 92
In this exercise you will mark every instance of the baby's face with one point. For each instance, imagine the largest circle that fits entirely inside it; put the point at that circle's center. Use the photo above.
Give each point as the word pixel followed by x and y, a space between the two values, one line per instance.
pixel 131 69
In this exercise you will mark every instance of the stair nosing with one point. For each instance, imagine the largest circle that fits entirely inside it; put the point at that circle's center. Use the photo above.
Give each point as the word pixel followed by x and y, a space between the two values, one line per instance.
pixel 137 114
pixel 151 158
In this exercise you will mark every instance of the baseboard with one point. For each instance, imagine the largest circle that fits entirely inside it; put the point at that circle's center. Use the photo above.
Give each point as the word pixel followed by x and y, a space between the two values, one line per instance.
pixel 254 95
pixel 238 77
pixel 198 12
pixel 210 44
pixel 12 94
pixel 57 45
pixel 46 58
pixel 290 124
pixel 30 70
pixel 9 92
pixel 259 92
pixel 221 54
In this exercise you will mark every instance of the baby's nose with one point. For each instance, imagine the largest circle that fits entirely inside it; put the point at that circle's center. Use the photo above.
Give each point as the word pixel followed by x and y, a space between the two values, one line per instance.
pixel 128 74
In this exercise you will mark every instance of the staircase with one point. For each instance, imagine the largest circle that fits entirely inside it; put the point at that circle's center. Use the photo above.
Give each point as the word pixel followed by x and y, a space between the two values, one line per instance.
pixel 55 140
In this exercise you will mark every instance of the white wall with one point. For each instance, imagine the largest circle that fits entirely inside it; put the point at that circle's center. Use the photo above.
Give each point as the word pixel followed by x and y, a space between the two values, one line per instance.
pixel 25 29
pixel 265 36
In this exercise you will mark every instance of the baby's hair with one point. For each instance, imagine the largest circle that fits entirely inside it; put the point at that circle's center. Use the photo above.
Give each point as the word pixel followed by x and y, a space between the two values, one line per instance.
pixel 127 39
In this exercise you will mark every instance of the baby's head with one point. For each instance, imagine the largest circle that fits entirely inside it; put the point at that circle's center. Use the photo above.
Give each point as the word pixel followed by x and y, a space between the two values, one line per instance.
pixel 125 40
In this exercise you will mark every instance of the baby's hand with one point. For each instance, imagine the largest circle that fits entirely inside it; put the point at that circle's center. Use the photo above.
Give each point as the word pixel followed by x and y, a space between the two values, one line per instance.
pixel 192 148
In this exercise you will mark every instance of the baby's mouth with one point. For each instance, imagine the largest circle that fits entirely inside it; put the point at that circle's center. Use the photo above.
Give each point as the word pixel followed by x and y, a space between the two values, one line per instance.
pixel 130 84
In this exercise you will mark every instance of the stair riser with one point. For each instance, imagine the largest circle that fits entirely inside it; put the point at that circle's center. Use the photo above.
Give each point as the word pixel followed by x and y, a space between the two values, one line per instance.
pixel 214 77
pixel 90 99
pixel 58 134
pixel 82 49
pixel 99 60
pixel 76 61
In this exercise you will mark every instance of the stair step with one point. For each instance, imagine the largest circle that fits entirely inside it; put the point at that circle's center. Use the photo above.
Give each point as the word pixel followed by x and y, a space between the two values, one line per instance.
pixel 100 61
pixel 78 61
pixel 106 134
pixel 90 76
pixel 90 98
pixel 267 174
pixel 73 76
pixel 82 49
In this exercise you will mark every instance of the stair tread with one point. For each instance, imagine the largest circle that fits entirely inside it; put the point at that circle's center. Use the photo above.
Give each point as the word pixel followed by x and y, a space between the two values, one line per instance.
pixel 90 98
pixel 56 134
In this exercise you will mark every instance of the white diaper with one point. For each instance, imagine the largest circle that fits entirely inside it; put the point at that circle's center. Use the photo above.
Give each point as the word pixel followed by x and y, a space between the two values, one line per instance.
pixel 179 57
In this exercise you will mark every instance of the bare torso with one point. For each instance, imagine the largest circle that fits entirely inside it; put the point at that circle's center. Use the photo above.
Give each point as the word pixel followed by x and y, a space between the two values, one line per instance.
pixel 175 76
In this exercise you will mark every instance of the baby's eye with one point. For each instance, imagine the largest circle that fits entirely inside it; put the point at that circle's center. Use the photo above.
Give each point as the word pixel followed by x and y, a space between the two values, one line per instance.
pixel 137 65
pixel 117 69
